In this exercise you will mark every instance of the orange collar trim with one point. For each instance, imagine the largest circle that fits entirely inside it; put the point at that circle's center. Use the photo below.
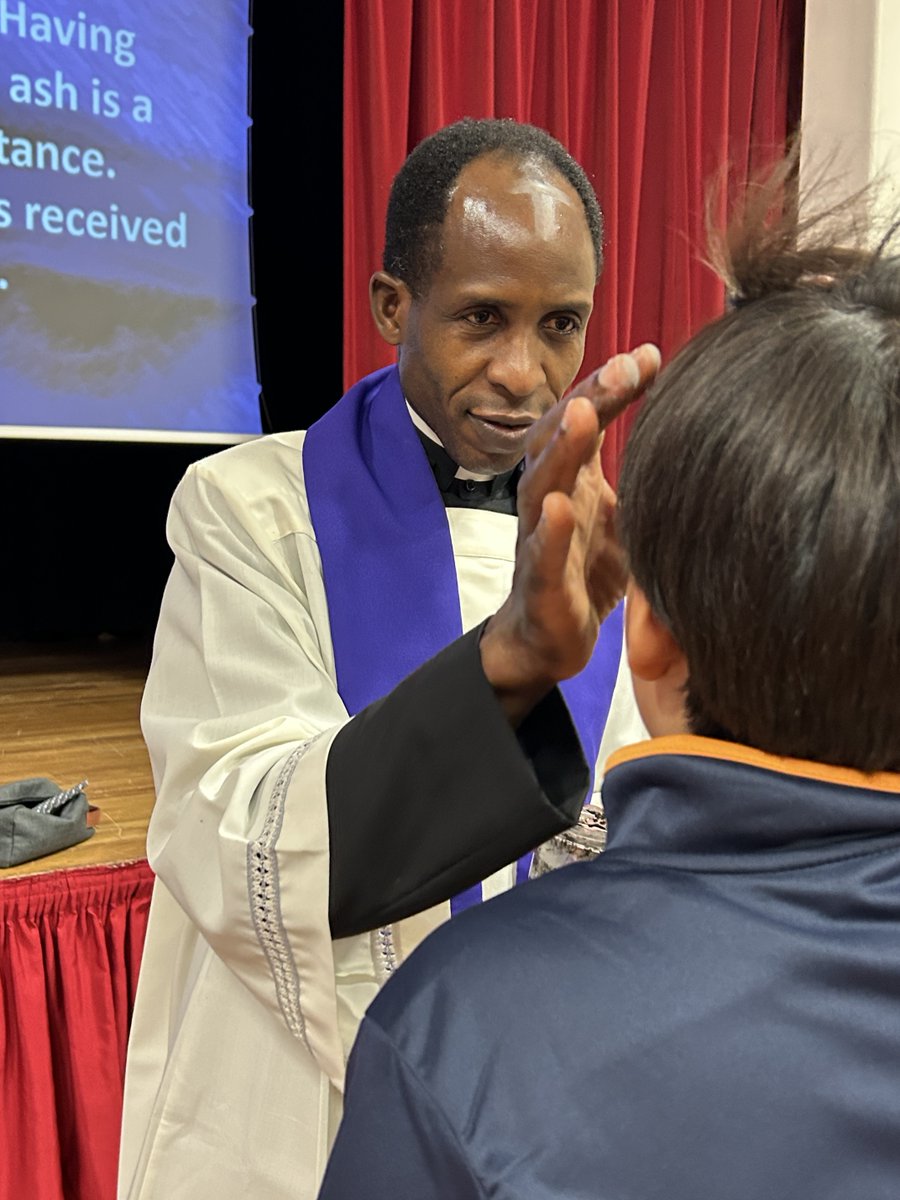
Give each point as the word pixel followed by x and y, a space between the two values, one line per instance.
pixel 685 744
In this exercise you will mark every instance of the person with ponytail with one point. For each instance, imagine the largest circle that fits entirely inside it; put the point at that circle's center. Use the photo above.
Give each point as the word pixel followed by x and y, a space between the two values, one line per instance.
pixel 710 1010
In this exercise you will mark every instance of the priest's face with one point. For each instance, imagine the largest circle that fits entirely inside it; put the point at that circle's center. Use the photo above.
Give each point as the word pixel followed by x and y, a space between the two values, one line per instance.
pixel 498 336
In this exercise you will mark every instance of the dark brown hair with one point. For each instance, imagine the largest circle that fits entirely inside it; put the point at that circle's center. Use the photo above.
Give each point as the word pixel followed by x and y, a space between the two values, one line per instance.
pixel 759 502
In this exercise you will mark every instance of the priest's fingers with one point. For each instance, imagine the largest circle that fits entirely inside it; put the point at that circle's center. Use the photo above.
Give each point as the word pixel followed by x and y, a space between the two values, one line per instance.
pixel 609 389
pixel 619 382
pixel 544 631
pixel 605 561
pixel 573 442
pixel 549 551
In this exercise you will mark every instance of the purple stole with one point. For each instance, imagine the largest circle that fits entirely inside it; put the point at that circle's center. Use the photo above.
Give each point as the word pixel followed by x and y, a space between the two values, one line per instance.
pixel 388 567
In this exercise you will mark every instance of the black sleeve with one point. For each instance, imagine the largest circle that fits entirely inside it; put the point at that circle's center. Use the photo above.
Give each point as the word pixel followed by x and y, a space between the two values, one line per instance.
pixel 430 790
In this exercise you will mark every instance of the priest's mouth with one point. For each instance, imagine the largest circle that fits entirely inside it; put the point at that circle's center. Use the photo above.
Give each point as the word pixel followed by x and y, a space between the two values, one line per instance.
pixel 503 428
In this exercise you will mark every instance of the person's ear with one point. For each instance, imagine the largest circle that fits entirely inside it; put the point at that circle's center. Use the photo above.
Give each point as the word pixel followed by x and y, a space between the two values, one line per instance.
pixel 653 654
pixel 659 669
pixel 390 300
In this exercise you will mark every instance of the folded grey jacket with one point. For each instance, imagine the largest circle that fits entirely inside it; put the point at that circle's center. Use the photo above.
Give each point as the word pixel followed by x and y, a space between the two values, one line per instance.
pixel 37 817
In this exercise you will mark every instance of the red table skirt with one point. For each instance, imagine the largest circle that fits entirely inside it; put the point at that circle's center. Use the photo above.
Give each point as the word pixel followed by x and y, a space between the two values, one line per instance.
pixel 69 958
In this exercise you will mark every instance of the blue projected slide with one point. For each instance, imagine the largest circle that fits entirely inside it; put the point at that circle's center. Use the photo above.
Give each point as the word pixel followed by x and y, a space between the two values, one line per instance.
pixel 125 303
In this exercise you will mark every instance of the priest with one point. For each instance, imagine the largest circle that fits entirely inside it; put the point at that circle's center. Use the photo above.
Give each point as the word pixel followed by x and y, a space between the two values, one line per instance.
pixel 377 680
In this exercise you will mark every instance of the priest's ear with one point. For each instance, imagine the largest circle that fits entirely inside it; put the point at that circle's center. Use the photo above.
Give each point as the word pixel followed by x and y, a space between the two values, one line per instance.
pixel 390 299
pixel 659 669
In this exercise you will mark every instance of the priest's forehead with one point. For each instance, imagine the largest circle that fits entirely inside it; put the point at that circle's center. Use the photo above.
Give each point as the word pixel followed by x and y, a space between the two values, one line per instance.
pixel 426 184
pixel 499 199
pixel 489 187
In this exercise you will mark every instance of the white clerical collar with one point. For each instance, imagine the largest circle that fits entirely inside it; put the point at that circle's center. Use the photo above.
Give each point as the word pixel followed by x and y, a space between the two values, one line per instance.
pixel 424 427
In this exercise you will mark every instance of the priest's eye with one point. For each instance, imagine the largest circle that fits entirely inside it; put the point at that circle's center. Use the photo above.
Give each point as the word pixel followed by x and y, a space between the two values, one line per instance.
pixel 480 317
pixel 564 324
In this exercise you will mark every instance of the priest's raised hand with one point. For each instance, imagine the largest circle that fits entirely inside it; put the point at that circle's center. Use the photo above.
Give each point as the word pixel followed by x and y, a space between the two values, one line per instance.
pixel 570 572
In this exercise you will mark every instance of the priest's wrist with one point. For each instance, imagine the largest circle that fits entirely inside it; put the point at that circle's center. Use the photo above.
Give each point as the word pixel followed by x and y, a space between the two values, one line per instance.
pixel 518 675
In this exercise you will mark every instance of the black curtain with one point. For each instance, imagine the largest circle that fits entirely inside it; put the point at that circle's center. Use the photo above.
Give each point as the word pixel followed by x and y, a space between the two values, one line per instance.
pixel 295 155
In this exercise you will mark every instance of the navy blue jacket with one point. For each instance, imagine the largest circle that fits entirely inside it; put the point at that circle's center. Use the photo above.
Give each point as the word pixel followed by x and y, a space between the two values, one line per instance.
pixel 709 1011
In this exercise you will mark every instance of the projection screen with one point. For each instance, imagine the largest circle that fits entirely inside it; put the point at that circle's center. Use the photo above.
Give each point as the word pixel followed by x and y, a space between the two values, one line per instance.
pixel 125 285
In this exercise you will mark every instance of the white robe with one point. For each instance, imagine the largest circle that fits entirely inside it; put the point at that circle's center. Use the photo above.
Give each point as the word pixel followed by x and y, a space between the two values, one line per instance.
pixel 246 1008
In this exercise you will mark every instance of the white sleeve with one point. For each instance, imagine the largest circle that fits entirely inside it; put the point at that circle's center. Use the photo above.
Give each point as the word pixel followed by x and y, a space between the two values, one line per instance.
pixel 238 714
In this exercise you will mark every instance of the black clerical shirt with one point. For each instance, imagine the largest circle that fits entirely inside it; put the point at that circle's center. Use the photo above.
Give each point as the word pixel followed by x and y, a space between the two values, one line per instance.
pixel 497 494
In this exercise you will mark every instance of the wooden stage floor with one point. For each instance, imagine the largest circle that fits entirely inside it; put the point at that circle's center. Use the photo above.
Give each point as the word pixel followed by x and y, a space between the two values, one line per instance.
pixel 69 711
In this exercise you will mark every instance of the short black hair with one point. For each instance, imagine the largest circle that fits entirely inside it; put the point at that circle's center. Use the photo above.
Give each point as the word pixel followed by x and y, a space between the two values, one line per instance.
pixel 759 503
pixel 420 193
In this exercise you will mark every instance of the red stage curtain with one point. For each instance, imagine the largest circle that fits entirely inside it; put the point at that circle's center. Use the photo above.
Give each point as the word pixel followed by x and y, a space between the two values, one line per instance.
pixel 69 957
pixel 651 97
